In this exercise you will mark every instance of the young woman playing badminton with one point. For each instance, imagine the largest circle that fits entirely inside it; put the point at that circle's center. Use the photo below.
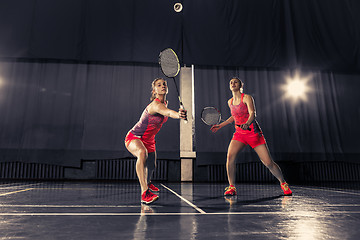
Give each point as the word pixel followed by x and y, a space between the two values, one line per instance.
pixel 247 132
pixel 140 140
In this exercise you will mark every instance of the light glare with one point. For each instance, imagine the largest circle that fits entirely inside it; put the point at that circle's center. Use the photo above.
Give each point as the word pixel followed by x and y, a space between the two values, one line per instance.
pixel 296 88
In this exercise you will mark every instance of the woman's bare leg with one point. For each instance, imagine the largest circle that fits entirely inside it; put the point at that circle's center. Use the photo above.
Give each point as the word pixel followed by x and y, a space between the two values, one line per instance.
pixel 137 148
pixel 265 157
pixel 150 165
pixel 234 148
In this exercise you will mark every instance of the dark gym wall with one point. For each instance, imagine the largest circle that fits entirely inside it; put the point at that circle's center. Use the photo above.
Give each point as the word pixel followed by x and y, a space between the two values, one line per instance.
pixel 75 74
pixel 321 126
pixel 321 34
pixel 60 113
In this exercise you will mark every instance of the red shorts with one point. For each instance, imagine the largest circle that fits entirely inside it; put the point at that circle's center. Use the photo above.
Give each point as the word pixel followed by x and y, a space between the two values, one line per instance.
pixel 249 137
pixel 148 143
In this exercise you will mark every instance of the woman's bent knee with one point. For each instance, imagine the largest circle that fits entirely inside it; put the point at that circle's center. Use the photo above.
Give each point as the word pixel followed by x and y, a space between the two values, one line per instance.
pixel 142 154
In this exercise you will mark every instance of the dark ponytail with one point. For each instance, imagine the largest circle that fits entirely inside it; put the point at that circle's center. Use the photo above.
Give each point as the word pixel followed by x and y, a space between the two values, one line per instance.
pixel 241 83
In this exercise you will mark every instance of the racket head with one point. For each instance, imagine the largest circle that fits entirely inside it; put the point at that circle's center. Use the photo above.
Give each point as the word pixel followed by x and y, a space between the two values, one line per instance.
pixel 210 116
pixel 169 63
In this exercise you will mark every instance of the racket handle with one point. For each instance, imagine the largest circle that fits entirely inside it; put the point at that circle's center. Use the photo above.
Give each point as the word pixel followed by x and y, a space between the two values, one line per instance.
pixel 182 107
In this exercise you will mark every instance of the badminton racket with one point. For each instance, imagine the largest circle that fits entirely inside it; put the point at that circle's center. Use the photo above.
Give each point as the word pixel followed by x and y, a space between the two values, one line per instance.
pixel 212 116
pixel 170 66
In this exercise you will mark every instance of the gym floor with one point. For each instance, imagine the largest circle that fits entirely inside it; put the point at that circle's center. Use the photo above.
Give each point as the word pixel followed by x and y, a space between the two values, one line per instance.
pixel 112 210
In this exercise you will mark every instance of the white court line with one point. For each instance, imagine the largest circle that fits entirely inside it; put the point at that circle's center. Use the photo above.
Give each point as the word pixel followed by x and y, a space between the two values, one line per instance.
pixel 291 214
pixel 23 190
pixel 185 200
pixel 137 206
pixel 329 190
pixel 19 186
pixel 323 205
pixel 70 206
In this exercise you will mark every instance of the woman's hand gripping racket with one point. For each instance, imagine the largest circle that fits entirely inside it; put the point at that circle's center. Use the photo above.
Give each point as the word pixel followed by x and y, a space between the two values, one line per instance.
pixel 170 66
pixel 212 117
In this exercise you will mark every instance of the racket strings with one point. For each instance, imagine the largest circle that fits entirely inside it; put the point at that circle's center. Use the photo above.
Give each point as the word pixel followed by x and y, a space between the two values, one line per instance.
pixel 211 116
pixel 169 63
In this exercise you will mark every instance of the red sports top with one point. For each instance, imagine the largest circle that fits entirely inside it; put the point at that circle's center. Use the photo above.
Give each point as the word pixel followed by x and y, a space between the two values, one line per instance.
pixel 148 125
pixel 241 115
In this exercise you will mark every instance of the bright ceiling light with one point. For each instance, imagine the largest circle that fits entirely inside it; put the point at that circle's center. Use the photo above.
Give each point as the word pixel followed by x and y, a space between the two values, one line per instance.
pixel 296 88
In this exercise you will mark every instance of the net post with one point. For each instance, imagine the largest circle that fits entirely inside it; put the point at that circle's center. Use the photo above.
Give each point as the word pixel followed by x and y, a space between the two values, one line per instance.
pixel 187 130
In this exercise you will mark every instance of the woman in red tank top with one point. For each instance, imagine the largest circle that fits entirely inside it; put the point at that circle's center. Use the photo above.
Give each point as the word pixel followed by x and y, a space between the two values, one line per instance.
pixel 140 140
pixel 247 132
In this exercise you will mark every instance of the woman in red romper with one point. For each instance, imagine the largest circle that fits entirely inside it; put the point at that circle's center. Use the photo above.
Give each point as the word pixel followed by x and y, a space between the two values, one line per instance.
pixel 140 140
pixel 247 132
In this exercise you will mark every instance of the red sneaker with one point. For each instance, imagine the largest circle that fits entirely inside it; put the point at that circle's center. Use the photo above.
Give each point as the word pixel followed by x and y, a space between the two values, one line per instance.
pixel 152 187
pixel 148 197
pixel 286 189
pixel 230 191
